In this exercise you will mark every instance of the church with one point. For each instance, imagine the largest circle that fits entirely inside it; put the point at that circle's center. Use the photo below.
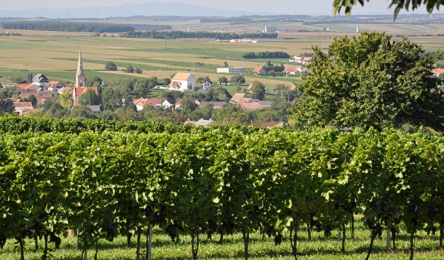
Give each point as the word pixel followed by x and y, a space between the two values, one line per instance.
pixel 80 86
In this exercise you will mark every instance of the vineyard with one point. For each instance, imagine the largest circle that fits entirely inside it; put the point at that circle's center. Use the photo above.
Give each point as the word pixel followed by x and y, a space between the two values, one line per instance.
pixel 109 179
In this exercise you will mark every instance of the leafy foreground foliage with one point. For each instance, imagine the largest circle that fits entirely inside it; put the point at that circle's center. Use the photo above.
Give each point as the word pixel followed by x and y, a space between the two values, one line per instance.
pixel 163 248
pixel 371 81
pixel 220 182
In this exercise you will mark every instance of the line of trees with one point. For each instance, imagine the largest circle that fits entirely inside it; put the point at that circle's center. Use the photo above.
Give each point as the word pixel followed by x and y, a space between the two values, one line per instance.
pixel 68 27
pixel 218 182
pixel 183 34
pixel 267 55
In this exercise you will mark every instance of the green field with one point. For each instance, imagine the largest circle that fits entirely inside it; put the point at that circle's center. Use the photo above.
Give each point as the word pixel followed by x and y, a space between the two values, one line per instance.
pixel 55 53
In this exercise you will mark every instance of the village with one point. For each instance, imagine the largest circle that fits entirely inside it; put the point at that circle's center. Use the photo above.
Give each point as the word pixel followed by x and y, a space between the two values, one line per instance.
pixel 183 94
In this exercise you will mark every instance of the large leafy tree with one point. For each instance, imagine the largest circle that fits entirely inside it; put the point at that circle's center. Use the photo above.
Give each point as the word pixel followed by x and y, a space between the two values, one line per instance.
pixel 371 81
pixel 399 5
pixel 89 98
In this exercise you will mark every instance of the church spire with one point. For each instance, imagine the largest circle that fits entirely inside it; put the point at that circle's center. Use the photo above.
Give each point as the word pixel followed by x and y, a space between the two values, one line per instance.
pixel 80 77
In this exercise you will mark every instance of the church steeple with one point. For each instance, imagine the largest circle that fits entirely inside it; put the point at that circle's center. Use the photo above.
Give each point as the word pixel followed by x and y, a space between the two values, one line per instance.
pixel 80 77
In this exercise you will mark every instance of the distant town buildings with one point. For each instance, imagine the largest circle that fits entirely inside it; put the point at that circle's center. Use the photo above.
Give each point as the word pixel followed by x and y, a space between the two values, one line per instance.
pixel 232 70
pixel 269 29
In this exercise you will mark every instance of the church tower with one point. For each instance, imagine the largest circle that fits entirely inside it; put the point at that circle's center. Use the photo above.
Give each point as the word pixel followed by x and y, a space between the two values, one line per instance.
pixel 80 79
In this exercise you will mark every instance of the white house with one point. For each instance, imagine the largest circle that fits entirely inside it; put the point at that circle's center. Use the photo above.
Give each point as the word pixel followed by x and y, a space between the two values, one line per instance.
pixel 183 81
pixel 168 104
pixel 22 106
pixel 141 103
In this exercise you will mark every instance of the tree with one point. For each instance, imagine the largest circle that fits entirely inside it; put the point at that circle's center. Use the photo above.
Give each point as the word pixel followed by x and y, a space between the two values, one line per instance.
pixel 95 82
pixel 238 79
pixel 129 69
pixel 258 90
pixel 399 5
pixel 200 80
pixel 225 64
pixel 223 80
pixel 371 81
pixel 65 100
pixel 31 98
pixel 110 66
pixel 188 104
pixel 29 79
pixel 89 98
pixel 6 106
pixel 82 112
pixel 138 71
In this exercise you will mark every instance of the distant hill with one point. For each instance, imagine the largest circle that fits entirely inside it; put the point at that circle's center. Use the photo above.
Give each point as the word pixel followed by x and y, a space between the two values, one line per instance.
pixel 153 9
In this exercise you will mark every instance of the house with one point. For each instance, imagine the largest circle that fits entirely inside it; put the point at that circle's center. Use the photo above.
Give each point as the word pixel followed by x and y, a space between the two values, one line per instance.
pixel 232 70
pixel 168 104
pixel 94 108
pixel 178 105
pixel 54 85
pixel 189 122
pixel 29 111
pixel 297 70
pixel 21 106
pixel 296 59
pixel 237 97
pixel 183 81
pixel 40 80
pixel 259 70
pixel 250 104
pixel 206 85
pixel 438 71
pixel 27 86
pixel 79 91
pixel 141 103
pixel 307 60
pixel 204 122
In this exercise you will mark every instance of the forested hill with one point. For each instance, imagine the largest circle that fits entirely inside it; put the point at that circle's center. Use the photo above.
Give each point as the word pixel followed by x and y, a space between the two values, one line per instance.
pixel 182 34
pixel 68 27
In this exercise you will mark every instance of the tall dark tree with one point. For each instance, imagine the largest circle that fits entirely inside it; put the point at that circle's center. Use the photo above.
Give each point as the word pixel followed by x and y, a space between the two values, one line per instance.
pixel 371 81
pixel 29 78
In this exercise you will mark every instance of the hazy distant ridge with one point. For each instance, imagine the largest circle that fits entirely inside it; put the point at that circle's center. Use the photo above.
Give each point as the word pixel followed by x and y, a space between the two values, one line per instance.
pixel 154 9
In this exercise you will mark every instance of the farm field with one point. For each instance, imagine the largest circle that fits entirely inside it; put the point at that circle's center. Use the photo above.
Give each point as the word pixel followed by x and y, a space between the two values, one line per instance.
pixel 55 54
pixel 427 247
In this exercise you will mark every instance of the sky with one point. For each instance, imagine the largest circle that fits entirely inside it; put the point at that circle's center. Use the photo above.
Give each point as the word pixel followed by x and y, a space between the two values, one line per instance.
pixel 310 7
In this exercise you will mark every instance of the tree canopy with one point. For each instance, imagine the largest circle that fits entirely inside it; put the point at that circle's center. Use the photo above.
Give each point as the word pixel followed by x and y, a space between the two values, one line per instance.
pixel 399 5
pixel 371 81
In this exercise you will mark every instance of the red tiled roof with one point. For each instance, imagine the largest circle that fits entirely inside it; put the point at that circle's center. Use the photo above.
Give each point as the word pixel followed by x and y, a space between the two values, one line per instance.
pixel 258 69
pixel 81 90
pixel 53 84
pixel 25 86
pixel 143 102
pixel 438 71
pixel 23 104
pixel 237 97
pixel 181 76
